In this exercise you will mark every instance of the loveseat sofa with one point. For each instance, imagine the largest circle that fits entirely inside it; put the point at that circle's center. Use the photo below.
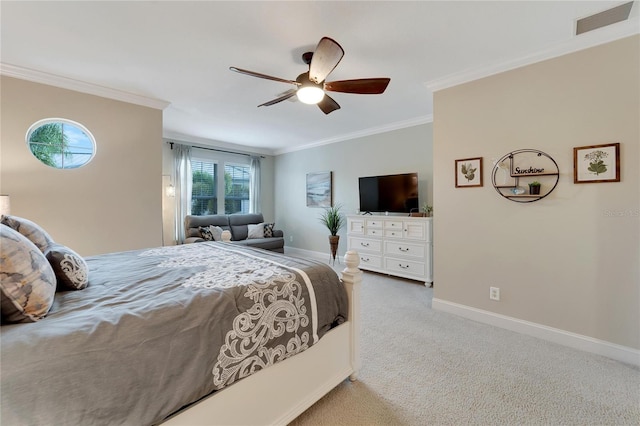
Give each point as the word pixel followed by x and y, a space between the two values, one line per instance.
pixel 238 225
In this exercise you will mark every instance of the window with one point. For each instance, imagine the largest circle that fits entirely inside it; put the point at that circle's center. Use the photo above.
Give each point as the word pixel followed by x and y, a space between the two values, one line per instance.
pixel 204 198
pixel 61 143
pixel 236 192
pixel 219 187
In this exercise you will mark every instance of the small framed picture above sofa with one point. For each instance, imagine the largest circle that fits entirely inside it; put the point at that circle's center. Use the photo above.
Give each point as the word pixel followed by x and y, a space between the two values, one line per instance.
pixel 319 189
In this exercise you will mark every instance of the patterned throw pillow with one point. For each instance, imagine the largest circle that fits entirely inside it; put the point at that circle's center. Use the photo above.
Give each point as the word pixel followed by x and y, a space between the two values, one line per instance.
pixel 32 231
pixel 268 230
pixel 70 268
pixel 206 233
pixel 27 281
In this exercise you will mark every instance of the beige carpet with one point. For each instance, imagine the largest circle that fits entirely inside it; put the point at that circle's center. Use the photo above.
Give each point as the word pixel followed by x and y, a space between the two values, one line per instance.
pixel 424 367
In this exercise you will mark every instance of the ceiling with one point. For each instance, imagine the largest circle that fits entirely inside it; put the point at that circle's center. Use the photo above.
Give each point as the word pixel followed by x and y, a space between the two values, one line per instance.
pixel 180 52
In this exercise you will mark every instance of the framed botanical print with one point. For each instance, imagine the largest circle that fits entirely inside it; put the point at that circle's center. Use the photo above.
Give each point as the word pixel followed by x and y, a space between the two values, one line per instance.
pixel 596 163
pixel 469 172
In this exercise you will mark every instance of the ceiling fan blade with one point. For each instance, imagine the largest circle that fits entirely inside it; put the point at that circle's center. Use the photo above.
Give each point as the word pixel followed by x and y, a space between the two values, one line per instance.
pixel 367 86
pixel 267 77
pixel 328 105
pixel 279 99
pixel 327 55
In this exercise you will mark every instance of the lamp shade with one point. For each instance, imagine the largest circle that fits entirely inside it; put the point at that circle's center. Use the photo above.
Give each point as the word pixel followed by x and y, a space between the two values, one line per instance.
pixel 5 205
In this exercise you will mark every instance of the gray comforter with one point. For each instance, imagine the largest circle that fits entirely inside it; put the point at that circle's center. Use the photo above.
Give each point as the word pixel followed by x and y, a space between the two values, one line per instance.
pixel 158 329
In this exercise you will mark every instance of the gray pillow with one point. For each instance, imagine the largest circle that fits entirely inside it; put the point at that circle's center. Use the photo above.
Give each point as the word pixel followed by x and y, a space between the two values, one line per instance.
pixel 255 231
pixel 27 281
pixel 29 229
pixel 70 268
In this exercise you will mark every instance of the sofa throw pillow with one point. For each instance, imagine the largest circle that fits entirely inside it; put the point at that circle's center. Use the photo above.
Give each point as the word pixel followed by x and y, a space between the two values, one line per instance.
pixel 206 233
pixel 216 231
pixel 255 231
pixel 268 230
pixel 29 229
pixel 211 233
pixel 27 281
pixel 72 272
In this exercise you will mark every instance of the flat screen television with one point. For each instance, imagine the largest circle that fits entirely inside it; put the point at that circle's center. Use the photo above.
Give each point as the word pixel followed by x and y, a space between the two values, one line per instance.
pixel 390 193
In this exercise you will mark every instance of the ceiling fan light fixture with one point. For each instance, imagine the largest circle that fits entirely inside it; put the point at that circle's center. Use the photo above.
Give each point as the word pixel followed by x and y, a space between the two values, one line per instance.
pixel 310 94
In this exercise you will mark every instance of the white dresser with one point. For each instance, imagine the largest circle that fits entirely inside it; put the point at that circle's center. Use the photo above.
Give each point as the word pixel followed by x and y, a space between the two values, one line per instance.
pixel 394 245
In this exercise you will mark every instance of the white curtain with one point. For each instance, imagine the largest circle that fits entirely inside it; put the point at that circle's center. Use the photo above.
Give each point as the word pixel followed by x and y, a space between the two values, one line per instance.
pixel 182 165
pixel 254 185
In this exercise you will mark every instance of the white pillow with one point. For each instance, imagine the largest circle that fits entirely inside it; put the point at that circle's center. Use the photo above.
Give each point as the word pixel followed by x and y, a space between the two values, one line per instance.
pixel 256 231
pixel 216 231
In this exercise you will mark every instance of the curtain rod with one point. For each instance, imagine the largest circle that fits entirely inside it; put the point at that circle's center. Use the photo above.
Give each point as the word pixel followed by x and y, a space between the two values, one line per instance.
pixel 216 149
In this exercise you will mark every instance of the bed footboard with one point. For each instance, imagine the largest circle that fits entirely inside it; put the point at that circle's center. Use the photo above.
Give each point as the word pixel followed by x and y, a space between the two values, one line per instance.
pixel 280 393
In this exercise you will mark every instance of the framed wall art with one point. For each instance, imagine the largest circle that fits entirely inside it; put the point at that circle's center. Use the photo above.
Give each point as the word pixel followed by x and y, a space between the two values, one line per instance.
pixel 319 189
pixel 469 172
pixel 596 163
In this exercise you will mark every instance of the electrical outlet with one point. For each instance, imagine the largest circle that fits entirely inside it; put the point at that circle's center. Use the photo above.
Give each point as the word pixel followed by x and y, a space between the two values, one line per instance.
pixel 290 238
pixel 494 293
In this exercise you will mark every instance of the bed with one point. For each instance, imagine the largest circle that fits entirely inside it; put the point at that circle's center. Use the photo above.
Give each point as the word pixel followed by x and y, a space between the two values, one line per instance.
pixel 207 333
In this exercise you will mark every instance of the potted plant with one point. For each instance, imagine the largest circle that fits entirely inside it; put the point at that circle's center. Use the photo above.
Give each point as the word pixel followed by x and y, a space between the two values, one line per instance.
pixel 534 188
pixel 333 220
pixel 427 209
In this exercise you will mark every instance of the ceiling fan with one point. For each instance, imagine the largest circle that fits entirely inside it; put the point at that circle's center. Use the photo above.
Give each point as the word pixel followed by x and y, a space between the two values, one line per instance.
pixel 311 86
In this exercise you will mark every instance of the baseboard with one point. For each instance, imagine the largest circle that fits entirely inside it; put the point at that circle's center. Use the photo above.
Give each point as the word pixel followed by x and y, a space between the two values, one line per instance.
pixel 562 337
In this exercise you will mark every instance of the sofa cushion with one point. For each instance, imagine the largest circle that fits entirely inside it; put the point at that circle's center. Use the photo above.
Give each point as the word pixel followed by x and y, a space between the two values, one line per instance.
pixel 274 244
pixel 192 224
pixel 239 224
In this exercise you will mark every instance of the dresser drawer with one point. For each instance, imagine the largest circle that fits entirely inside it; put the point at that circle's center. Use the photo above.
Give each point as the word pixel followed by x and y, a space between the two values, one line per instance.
pixel 370 261
pixel 407 267
pixel 393 224
pixel 393 233
pixel 401 249
pixel 365 244
pixel 374 232
pixel 374 223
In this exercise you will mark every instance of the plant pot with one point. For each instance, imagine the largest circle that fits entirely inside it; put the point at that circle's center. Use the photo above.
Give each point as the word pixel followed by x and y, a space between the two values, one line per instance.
pixel 534 190
pixel 333 243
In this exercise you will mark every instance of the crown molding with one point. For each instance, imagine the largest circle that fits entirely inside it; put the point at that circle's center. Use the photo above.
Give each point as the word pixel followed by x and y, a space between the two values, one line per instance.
pixel 583 41
pixel 171 136
pixel 362 133
pixel 80 86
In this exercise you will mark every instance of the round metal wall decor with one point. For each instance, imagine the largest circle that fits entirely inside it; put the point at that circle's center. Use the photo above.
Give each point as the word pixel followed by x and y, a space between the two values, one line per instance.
pixel 525 175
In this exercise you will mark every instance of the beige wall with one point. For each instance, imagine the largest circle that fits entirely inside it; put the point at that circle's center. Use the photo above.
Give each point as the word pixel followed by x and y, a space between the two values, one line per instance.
pixel 399 151
pixel 571 260
pixel 111 204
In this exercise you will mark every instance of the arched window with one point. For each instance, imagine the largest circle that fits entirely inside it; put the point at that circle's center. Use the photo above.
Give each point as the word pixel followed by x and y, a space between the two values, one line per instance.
pixel 61 143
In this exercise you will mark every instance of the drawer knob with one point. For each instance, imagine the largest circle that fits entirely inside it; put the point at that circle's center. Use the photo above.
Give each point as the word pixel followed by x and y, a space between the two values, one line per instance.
pixel 364 244
pixel 403 266
pixel 403 249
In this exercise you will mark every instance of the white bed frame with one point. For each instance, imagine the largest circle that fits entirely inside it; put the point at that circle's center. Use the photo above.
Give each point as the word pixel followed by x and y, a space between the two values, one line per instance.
pixel 280 393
